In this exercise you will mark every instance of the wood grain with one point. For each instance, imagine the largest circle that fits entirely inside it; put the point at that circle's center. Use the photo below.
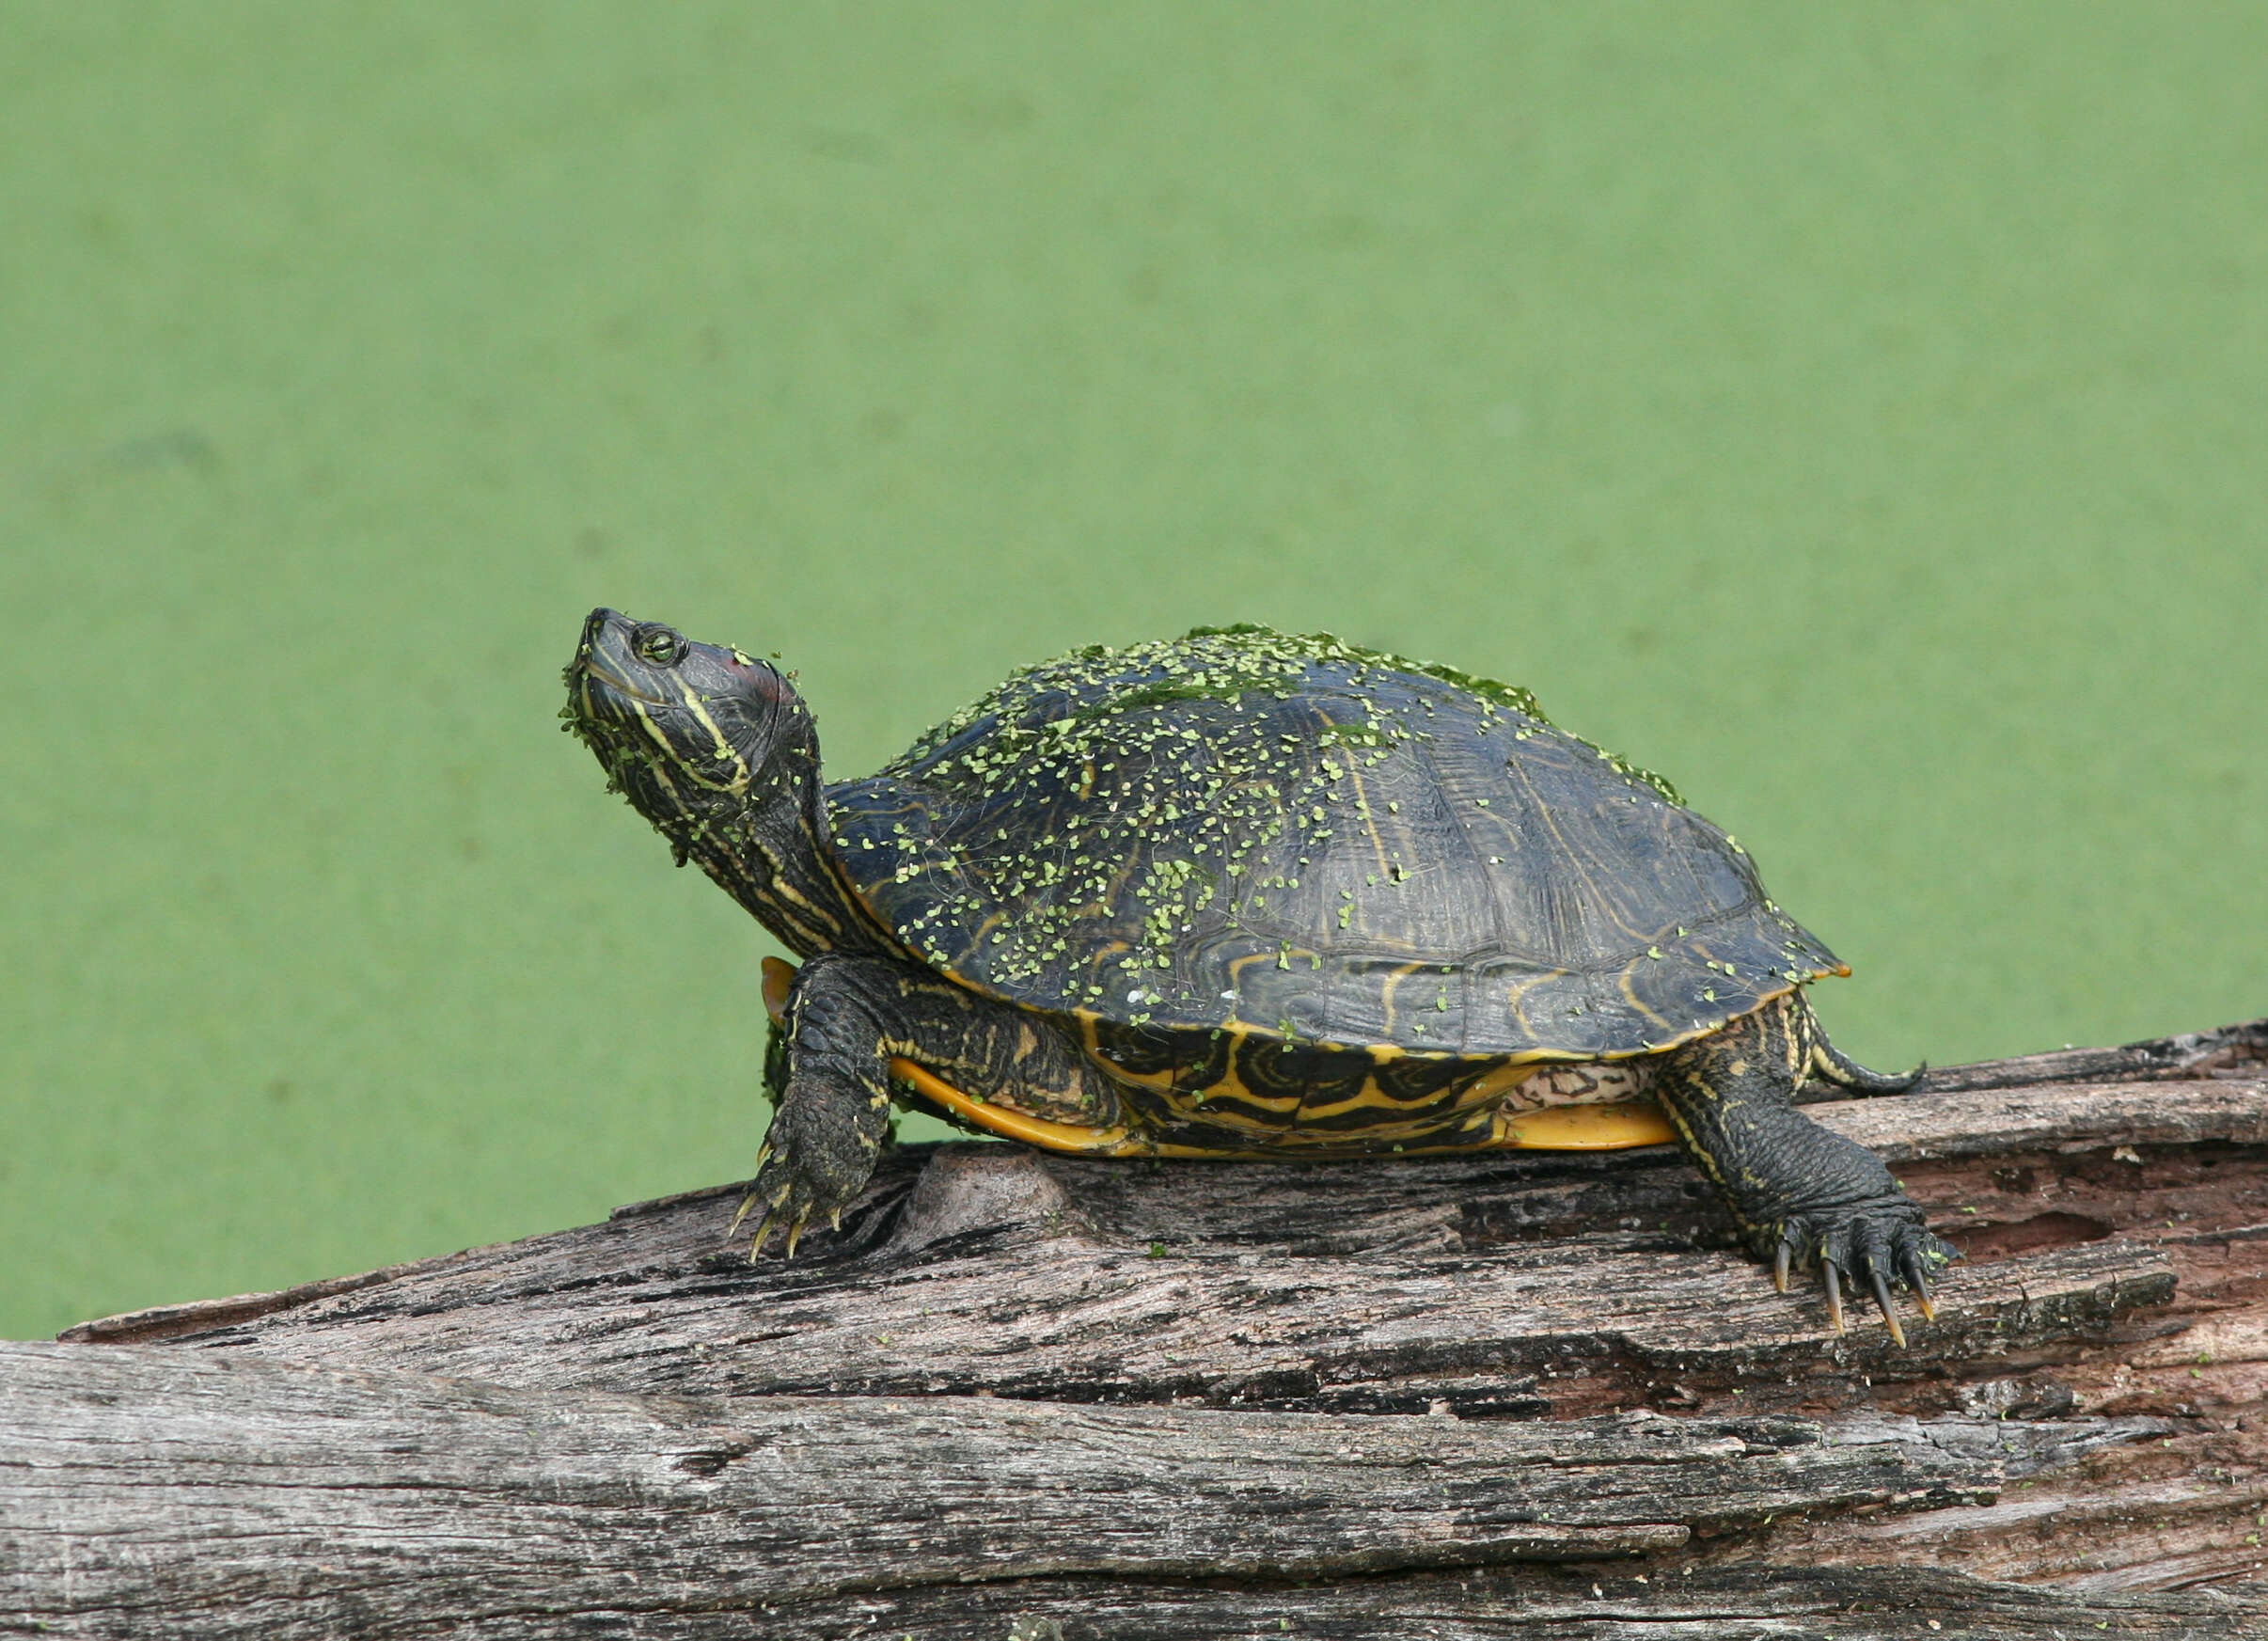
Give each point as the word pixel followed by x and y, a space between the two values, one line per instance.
pixel 1527 1393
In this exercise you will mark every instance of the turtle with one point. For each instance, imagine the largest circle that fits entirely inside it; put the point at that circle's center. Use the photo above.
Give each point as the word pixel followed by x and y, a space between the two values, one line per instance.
pixel 1243 894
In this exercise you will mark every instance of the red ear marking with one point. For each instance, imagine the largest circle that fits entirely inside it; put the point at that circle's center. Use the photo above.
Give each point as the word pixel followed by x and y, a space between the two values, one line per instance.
pixel 767 682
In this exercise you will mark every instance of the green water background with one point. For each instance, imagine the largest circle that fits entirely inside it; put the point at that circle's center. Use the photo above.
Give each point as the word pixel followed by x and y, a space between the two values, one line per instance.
pixel 1855 413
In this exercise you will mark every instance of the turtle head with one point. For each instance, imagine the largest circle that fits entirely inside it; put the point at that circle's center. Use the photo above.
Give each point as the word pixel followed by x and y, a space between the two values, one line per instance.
pixel 716 749
pixel 683 729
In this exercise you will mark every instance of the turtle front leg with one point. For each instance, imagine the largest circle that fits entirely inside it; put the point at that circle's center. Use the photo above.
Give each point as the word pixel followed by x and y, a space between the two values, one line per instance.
pixel 1803 1196
pixel 842 1021
pixel 827 1067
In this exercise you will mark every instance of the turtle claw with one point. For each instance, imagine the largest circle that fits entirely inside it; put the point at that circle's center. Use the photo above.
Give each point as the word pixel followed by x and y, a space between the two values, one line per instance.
pixel 1870 1252
pixel 1881 1302
pixel 764 1228
pixel 775 1218
pixel 793 1187
pixel 1915 1270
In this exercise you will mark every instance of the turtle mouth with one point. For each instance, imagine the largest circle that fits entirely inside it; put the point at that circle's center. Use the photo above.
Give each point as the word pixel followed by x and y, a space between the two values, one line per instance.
pixel 606 665
pixel 595 673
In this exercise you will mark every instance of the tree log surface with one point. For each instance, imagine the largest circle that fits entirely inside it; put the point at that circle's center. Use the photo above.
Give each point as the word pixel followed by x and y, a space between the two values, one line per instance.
pixel 1527 1393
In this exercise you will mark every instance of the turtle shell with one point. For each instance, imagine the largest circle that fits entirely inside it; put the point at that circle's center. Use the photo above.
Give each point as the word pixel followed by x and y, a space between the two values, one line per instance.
pixel 1248 831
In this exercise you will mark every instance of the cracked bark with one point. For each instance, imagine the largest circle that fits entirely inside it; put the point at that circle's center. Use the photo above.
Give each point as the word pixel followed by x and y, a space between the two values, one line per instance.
pixel 1531 1394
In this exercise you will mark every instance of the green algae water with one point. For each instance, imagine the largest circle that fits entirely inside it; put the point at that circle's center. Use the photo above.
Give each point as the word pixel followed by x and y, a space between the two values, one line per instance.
pixel 1852 414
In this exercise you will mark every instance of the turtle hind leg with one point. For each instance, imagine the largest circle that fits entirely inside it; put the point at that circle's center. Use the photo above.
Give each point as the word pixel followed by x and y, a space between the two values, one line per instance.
pixel 1803 1197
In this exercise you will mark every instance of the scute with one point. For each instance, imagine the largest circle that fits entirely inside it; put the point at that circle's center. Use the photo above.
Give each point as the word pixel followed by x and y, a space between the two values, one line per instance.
pixel 1298 837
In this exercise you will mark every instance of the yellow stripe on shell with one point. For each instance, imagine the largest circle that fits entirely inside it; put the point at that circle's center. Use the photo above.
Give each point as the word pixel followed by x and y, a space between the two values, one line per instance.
pixel 1051 1136
pixel 1574 1128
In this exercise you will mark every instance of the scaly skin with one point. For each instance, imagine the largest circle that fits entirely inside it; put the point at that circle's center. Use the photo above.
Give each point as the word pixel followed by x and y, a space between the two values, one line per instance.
pixel 834 1101
pixel 1803 1197
pixel 716 749
pixel 827 1066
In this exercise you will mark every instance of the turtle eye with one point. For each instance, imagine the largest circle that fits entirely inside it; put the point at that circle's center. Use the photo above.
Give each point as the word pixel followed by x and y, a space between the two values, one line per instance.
pixel 658 644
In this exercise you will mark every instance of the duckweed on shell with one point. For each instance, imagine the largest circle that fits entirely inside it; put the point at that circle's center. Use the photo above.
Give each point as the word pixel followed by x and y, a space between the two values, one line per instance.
pixel 1271 830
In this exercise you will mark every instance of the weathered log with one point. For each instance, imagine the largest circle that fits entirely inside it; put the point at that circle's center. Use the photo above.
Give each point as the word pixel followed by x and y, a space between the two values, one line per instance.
pixel 244 1496
pixel 1545 1283
pixel 2089 1411
pixel 815 1496
pixel 2237 1051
